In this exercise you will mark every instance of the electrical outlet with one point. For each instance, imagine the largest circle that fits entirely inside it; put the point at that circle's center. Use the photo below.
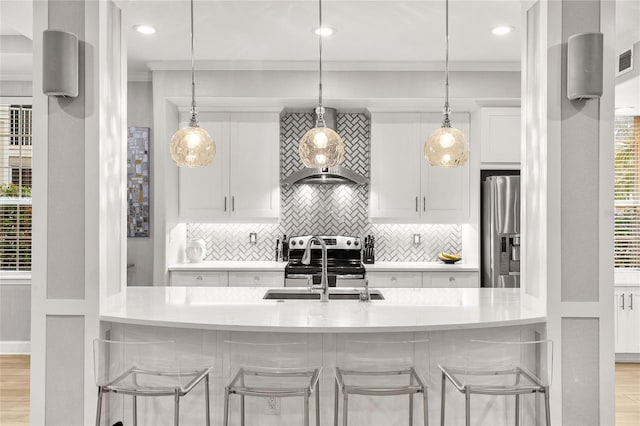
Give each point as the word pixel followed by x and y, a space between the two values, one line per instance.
pixel 253 238
pixel 416 239
pixel 273 405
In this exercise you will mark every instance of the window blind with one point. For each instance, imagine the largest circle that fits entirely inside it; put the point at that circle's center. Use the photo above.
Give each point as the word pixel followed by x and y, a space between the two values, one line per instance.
pixel 627 192
pixel 15 187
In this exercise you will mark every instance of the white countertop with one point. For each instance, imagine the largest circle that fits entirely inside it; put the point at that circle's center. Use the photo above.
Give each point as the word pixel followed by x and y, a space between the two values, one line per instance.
pixel 238 265
pixel 243 309
pixel 230 265
pixel 420 266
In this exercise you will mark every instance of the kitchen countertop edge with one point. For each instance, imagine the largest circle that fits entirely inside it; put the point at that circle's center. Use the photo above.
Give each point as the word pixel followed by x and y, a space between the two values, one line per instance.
pixel 232 265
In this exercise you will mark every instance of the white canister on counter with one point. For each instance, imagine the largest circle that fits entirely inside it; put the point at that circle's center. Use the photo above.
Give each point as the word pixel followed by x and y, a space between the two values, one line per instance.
pixel 196 251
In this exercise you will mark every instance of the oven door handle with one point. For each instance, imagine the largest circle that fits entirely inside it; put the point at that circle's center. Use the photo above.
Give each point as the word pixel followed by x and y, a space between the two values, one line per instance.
pixel 302 276
pixel 350 277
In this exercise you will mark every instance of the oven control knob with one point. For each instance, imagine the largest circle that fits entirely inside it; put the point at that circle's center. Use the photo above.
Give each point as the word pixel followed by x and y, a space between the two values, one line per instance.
pixel 300 242
pixel 348 242
pixel 293 243
pixel 357 243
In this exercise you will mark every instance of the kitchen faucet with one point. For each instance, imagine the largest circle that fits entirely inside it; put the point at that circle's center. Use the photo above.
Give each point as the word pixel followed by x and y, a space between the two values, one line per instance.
pixel 306 259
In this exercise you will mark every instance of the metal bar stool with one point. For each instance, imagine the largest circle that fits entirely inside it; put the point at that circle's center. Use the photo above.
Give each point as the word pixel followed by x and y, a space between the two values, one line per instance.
pixel 499 368
pixel 145 369
pixel 271 370
pixel 381 368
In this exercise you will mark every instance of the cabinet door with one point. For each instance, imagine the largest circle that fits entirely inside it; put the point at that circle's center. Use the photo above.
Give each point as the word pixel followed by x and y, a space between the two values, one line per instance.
pixel 445 191
pixel 199 279
pixel 394 279
pixel 500 135
pixel 452 280
pixel 204 191
pixel 256 279
pixel 254 147
pixel 631 329
pixel 395 165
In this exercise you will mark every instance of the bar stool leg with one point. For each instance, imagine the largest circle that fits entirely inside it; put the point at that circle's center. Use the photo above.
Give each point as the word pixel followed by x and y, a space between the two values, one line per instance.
pixel 176 418
pixel 207 403
pixel 335 405
pixel 241 410
pixel 467 407
pixel 345 408
pixel 410 401
pixel 99 408
pixel 306 408
pixel 225 420
pixel 517 410
pixel 546 405
pixel 442 396
pixel 135 410
pixel 425 404
pixel 318 403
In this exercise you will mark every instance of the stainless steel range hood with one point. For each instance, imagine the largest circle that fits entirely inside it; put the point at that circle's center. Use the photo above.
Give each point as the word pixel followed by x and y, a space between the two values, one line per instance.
pixel 328 175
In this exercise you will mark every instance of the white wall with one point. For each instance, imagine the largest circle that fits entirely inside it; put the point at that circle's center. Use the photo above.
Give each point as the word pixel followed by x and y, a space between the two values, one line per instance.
pixel 140 249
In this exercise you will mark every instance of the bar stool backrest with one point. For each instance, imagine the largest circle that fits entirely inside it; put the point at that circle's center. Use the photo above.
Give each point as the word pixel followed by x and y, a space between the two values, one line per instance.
pixel 114 359
pixel 519 362
pixel 385 354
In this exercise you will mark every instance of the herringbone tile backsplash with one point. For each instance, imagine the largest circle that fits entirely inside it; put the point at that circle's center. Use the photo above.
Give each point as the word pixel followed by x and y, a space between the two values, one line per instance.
pixel 326 209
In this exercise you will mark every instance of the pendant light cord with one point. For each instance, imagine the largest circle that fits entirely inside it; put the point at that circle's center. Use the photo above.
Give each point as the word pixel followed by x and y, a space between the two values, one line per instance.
pixel 447 110
pixel 320 110
pixel 194 110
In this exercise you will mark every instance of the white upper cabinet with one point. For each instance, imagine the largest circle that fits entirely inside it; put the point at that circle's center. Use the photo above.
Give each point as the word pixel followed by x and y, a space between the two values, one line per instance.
pixel 254 171
pixel 242 183
pixel 500 135
pixel 403 186
pixel 204 191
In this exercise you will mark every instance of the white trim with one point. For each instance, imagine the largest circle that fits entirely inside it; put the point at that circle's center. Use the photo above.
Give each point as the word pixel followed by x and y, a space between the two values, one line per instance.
pixel 333 66
pixel 15 278
pixel 16 77
pixel 27 100
pixel 627 357
pixel 15 348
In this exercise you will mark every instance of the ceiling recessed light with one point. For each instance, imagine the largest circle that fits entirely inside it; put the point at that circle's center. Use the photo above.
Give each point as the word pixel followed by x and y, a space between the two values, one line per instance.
pixel 324 31
pixel 502 30
pixel 144 29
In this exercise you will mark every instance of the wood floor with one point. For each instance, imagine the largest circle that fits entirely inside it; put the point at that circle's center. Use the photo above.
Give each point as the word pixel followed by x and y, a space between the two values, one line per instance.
pixel 14 392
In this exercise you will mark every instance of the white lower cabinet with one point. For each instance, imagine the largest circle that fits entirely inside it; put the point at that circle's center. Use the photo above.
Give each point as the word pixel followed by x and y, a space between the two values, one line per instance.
pixel 394 279
pixel 256 279
pixel 199 278
pixel 227 278
pixel 450 280
pixel 627 320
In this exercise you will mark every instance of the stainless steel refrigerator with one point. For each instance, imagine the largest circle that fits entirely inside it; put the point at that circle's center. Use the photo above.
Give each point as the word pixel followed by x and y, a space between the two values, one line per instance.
pixel 500 231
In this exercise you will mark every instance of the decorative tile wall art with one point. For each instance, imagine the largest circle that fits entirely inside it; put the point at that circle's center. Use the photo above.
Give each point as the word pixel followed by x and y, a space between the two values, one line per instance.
pixel 138 181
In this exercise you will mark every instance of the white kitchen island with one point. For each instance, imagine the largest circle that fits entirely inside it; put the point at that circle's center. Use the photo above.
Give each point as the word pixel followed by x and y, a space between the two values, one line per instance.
pixel 201 319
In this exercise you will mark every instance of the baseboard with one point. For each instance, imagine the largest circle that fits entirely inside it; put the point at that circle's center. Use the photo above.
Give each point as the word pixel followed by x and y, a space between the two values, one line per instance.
pixel 631 357
pixel 15 348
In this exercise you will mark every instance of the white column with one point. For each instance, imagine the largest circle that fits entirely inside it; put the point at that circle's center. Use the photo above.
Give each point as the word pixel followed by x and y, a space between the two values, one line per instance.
pixel 78 205
pixel 568 197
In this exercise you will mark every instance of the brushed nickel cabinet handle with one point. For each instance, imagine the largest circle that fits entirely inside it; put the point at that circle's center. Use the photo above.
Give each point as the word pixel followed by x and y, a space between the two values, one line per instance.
pixel 225 203
pixel 452 279
pixel 631 301
pixel 424 204
pixel 622 297
pixel 233 204
pixel 417 203
pixel 199 278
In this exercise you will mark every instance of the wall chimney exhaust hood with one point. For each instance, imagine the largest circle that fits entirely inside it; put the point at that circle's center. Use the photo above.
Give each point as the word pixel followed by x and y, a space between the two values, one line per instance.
pixel 327 175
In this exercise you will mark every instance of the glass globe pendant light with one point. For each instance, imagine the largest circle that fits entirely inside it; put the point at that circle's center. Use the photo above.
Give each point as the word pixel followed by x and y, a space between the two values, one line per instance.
pixel 447 146
pixel 192 146
pixel 321 147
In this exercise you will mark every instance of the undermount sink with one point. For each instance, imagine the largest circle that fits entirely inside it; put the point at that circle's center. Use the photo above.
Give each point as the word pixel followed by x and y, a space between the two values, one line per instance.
pixel 304 294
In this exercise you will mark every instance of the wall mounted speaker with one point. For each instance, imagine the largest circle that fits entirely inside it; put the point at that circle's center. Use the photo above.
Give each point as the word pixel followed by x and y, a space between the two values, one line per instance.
pixel 59 63
pixel 584 66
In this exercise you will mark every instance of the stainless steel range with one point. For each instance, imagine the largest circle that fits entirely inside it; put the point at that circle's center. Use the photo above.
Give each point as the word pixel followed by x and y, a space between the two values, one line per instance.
pixel 344 262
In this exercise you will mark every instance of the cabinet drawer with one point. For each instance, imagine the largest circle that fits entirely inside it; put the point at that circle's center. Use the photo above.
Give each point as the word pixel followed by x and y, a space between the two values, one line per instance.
pixel 451 279
pixel 205 279
pixel 394 279
pixel 256 279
